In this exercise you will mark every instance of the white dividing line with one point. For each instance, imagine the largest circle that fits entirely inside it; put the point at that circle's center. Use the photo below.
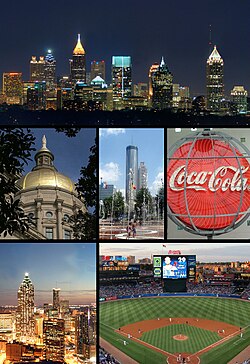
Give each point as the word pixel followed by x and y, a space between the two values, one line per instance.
pixel 144 343
pixel 110 327
pixel 239 340
pixel 217 343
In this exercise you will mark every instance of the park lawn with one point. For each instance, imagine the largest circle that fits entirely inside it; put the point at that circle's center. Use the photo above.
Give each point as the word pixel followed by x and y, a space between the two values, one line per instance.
pixel 197 338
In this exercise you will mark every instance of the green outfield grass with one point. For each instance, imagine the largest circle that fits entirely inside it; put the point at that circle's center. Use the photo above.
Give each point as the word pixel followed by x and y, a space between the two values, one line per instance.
pixel 123 312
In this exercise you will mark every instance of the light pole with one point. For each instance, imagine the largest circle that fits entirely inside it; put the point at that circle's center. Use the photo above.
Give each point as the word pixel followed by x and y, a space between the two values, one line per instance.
pixel 162 186
pixel 112 210
pixel 144 206
pixel 158 206
pixel 131 173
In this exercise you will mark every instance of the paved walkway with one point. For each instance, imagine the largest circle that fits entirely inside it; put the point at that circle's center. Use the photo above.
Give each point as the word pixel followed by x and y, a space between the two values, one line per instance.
pixel 243 355
pixel 118 354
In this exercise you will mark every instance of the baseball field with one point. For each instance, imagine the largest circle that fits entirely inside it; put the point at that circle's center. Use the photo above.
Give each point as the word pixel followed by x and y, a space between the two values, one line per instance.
pixel 157 330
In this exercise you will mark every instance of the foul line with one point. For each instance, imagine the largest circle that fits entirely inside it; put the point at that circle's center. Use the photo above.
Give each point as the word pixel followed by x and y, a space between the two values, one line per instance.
pixel 110 327
pixel 221 341
pixel 144 343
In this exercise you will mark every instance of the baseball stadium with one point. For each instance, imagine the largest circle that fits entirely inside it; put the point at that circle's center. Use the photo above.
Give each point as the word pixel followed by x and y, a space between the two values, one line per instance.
pixel 174 310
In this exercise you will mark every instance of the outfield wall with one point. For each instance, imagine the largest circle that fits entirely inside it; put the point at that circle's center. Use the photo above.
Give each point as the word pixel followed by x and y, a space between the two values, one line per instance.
pixel 183 294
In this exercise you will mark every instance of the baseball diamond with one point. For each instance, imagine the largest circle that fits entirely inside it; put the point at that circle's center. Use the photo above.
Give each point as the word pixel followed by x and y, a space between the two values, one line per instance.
pixel 212 328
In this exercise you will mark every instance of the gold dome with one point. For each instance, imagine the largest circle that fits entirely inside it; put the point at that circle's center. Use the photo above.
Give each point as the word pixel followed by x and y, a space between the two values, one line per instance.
pixel 46 177
pixel 44 173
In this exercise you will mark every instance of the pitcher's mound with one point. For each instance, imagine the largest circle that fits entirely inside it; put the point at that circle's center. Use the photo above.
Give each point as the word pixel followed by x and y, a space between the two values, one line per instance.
pixel 180 337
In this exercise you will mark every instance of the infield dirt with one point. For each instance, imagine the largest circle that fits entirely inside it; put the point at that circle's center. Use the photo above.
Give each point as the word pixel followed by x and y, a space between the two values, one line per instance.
pixel 136 330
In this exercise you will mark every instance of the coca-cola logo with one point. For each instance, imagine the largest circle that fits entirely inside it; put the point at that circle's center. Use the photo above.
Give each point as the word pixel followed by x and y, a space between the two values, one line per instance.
pixel 214 180
pixel 211 183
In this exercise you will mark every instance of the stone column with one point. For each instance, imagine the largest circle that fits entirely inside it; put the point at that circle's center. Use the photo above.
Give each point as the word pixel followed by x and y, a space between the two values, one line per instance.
pixel 39 216
pixel 59 224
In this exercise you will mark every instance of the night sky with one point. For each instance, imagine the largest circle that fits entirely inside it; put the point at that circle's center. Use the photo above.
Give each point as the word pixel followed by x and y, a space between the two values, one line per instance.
pixel 70 153
pixel 178 30
pixel 71 267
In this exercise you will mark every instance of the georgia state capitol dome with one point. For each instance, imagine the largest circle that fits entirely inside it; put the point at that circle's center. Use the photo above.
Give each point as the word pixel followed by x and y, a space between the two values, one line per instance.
pixel 48 197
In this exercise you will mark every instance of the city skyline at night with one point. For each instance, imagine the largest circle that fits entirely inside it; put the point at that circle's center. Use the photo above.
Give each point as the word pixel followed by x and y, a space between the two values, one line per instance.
pixel 70 267
pixel 182 40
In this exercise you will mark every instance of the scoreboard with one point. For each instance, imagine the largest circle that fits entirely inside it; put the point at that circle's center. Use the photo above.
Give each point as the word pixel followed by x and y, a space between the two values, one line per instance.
pixel 174 270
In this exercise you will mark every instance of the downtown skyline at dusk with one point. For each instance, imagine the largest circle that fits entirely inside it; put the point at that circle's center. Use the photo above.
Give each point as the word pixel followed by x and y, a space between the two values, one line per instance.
pixel 70 267
pixel 153 32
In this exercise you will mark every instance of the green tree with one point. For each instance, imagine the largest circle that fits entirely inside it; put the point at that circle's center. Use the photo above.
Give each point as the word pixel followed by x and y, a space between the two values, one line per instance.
pixel 118 205
pixel 85 224
pixel 143 202
pixel 15 151
pixel 159 198
pixel 16 146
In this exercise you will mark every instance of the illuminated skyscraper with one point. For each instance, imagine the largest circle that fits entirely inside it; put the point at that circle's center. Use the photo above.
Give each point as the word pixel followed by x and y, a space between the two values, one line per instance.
pixel 131 175
pixel 162 85
pixel 25 323
pixel 86 334
pixel 152 69
pixel 37 69
pixel 78 63
pixel 56 298
pixel 140 89
pixel 50 79
pixel 97 69
pixel 215 85
pixel 36 96
pixel 53 339
pixel 121 79
pixel 50 71
pixel 13 87
pixel 239 98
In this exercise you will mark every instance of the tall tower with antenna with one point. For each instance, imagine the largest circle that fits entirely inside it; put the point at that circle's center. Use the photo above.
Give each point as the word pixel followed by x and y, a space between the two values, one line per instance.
pixel 210 39
pixel 78 63
pixel 25 323
pixel 215 83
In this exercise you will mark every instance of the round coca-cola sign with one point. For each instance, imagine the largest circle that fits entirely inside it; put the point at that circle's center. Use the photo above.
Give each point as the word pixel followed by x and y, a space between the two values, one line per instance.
pixel 208 184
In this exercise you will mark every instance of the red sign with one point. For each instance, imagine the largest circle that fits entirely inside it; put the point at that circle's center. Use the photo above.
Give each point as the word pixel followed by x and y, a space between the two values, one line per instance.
pixel 209 181
pixel 174 252
pixel 112 298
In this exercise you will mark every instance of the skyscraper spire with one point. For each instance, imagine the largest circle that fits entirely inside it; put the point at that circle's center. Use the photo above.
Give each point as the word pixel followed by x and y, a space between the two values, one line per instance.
pixel 162 62
pixel 215 84
pixel 25 325
pixel 210 39
pixel 78 63
pixel 215 56
pixel 79 50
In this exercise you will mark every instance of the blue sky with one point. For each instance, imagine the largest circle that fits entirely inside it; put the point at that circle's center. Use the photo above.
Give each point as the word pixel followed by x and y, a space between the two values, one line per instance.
pixel 69 266
pixel 113 143
pixel 209 252
pixel 70 153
